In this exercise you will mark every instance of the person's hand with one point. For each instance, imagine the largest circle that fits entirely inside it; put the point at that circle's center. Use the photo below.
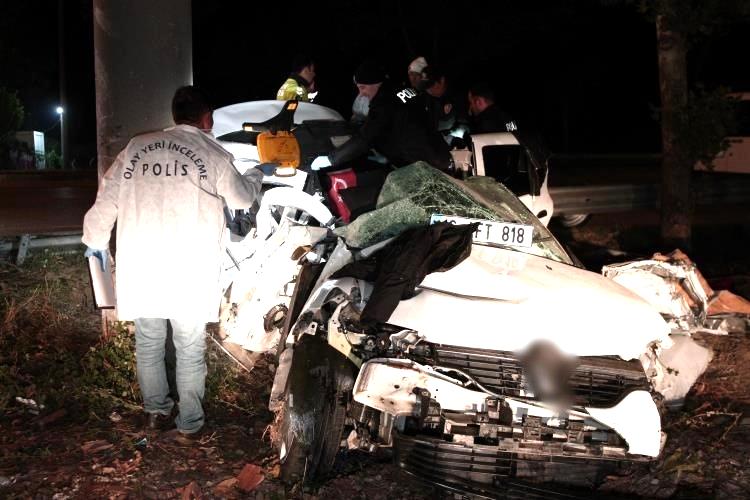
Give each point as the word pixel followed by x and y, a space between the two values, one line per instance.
pixel 459 131
pixel 99 254
pixel 320 162
pixel 267 168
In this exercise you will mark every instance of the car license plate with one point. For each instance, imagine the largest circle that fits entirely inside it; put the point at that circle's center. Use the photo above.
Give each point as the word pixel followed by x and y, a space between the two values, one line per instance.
pixel 501 233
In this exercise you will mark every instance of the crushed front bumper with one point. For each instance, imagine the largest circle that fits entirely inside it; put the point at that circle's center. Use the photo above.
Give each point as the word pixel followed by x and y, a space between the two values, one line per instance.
pixel 427 401
pixel 487 472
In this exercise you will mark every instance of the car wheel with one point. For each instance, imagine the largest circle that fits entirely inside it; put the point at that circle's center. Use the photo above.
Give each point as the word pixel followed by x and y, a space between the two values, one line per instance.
pixel 573 220
pixel 311 424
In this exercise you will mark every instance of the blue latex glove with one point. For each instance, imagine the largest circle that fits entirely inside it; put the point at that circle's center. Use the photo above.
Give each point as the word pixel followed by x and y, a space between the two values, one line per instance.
pixel 99 254
pixel 320 162
pixel 267 168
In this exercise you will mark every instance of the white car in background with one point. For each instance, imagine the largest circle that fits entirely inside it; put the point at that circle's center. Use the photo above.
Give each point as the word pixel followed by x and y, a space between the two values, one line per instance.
pixel 513 365
pixel 499 155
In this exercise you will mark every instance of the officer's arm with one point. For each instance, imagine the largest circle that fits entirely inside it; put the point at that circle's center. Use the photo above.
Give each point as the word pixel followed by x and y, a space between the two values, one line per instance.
pixel 375 124
pixel 239 191
pixel 353 148
pixel 101 217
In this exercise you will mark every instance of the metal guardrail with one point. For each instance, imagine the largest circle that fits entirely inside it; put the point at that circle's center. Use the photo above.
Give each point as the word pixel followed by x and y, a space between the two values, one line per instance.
pixel 567 200
pixel 603 199
pixel 626 197
pixel 21 245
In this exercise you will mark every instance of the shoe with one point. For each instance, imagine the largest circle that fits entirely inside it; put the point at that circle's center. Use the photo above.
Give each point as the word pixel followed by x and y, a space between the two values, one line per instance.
pixel 158 422
pixel 191 439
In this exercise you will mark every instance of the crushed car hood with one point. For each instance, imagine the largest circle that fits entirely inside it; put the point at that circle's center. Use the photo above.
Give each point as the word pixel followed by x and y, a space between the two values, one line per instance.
pixel 503 299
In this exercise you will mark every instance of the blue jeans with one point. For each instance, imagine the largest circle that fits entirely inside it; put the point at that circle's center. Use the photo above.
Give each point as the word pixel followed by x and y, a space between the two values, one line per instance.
pixel 190 347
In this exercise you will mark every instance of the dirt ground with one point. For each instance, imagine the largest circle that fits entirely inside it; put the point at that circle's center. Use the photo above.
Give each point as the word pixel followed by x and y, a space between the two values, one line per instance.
pixel 705 454
pixel 71 424
pixel 70 416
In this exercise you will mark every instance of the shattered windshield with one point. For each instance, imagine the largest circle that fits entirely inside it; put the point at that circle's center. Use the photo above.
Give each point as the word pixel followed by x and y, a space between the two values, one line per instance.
pixel 411 195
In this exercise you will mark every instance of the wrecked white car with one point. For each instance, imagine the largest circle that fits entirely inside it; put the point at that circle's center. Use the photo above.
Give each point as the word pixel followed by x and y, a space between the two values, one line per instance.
pixel 318 129
pixel 446 323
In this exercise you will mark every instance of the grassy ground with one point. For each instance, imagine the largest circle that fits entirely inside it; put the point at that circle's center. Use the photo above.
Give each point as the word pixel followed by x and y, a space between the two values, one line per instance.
pixel 70 415
pixel 69 401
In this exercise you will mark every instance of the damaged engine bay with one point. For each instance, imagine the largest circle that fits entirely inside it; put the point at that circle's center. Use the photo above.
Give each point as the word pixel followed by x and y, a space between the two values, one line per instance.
pixel 459 414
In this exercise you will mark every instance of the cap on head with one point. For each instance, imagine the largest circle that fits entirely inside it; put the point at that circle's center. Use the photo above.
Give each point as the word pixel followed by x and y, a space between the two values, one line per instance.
pixel 368 73
pixel 418 65
pixel 430 76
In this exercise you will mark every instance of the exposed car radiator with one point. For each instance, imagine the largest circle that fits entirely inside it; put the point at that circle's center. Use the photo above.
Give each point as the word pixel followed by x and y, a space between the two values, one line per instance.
pixel 596 382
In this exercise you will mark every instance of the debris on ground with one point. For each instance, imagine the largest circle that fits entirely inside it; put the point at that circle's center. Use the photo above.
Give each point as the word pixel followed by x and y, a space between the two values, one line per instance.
pixel 250 477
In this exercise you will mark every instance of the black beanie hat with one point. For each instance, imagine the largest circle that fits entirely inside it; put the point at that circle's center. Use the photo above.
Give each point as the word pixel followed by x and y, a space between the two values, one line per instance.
pixel 369 72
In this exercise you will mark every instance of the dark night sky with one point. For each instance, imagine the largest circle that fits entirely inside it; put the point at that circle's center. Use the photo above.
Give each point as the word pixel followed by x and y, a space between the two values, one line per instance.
pixel 583 71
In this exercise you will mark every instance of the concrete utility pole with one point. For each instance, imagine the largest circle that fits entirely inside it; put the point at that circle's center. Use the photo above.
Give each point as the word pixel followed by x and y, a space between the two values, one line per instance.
pixel 143 53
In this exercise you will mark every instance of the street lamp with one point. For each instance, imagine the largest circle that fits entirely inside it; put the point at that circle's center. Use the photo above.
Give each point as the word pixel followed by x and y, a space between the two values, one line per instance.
pixel 61 111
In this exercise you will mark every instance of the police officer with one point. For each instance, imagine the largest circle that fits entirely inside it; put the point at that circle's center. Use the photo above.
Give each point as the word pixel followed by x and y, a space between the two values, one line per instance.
pixel 397 126
pixel 487 117
pixel 167 191
pixel 415 71
pixel 301 80
pixel 440 106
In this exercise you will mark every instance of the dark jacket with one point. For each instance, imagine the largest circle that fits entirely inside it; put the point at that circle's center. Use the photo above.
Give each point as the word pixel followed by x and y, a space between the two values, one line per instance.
pixel 441 111
pixel 399 267
pixel 492 119
pixel 398 127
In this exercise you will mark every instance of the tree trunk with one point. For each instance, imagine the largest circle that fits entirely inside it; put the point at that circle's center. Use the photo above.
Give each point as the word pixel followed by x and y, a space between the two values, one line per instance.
pixel 676 203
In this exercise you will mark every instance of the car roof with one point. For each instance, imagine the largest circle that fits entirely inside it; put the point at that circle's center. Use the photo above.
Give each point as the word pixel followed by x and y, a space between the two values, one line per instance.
pixel 230 118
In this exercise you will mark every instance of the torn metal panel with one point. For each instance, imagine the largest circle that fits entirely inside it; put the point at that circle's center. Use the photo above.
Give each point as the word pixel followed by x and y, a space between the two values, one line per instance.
pixel 673 370
pixel 273 267
pixel 675 287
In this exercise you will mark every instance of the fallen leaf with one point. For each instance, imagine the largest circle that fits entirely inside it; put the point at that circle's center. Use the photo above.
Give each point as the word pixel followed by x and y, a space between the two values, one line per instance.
pixel 226 488
pixel 191 491
pixel 250 477
pixel 275 471
pixel 129 465
pixel 52 417
pixel 91 447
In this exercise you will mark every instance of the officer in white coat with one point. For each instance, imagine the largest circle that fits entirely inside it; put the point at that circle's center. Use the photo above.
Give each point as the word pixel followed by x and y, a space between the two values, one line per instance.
pixel 167 192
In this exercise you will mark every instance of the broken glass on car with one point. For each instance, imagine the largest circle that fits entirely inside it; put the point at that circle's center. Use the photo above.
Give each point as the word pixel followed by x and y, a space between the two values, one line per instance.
pixel 411 195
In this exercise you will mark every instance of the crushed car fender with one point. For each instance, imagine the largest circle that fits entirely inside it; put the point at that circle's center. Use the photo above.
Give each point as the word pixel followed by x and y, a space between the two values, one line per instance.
pixel 637 420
